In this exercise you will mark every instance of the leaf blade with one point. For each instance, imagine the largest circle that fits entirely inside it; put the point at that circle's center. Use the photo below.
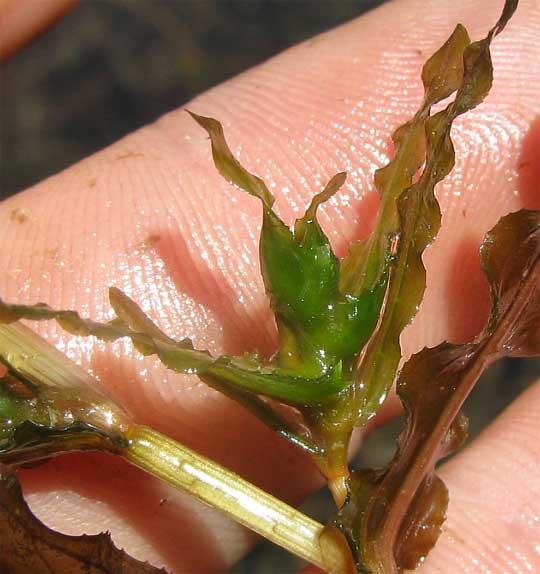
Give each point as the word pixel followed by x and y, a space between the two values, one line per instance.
pixel 433 386
pixel 228 166
pixel 27 545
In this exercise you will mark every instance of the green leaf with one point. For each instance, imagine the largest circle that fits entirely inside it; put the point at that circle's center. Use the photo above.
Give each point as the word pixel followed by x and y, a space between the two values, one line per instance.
pixel 418 211
pixel 228 166
pixel 244 373
pixel 129 312
pixel 442 75
pixel 406 497
pixel 320 328
pixel 27 545
pixel 386 268
pixel 300 273
pixel 339 322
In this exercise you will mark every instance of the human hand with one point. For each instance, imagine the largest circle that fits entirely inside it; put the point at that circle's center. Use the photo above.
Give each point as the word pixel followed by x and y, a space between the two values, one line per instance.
pixel 151 216
pixel 22 20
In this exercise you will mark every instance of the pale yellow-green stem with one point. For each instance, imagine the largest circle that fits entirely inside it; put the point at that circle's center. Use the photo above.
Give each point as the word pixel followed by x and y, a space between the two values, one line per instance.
pixel 35 358
pixel 245 503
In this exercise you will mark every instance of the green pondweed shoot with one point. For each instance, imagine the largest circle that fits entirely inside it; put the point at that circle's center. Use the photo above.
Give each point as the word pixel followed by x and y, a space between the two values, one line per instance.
pixel 339 324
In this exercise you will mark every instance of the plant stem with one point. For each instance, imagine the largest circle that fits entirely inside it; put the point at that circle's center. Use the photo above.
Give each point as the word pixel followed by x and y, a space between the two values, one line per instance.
pixel 43 366
pixel 236 497
pixel 31 356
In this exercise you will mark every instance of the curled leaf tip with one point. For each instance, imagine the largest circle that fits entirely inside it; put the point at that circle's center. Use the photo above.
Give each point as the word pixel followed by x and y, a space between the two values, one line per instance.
pixel 509 8
pixel 228 166
pixel 330 189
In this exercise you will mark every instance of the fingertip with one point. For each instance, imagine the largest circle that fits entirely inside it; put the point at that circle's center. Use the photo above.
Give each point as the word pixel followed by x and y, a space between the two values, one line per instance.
pixel 22 20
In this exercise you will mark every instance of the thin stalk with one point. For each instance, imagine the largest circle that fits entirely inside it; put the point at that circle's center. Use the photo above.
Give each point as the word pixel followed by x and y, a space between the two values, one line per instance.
pixel 245 503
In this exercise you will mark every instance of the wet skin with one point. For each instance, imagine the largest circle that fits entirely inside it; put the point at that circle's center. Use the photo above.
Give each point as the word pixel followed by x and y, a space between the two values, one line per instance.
pixel 151 215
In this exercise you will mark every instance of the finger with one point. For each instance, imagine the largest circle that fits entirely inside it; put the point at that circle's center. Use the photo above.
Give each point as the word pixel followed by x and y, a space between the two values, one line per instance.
pixel 494 514
pixel 20 21
pixel 151 216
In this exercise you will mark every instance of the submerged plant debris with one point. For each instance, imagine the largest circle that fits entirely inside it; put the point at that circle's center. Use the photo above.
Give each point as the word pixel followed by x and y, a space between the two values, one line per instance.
pixel 396 514
pixel 339 324
pixel 27 545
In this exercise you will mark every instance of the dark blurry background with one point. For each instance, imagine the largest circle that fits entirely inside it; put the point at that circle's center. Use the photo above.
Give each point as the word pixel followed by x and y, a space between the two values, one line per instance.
pixel 111 66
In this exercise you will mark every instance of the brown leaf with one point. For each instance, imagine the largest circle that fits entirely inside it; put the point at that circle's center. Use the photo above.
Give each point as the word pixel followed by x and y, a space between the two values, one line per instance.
pixel 27 546
pixel 510 257
pixel 397 516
